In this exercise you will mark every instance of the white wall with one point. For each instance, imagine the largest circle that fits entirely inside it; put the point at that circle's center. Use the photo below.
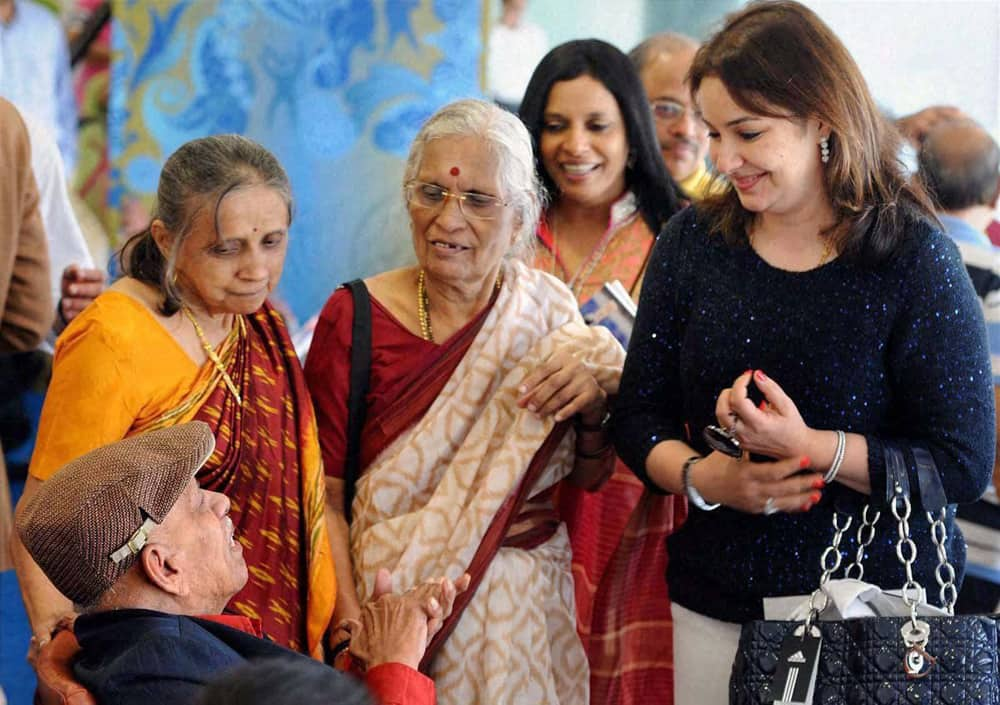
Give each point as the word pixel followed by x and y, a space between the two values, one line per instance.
pixel 916 53
pixel 620 22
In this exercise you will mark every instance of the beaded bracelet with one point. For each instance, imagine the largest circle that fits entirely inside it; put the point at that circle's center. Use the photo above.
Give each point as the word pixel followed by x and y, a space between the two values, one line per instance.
pixel 838 458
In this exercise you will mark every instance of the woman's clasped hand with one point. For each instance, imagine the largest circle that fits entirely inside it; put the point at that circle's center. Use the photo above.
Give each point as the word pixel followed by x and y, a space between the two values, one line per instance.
pixel 563 386
pixel 782 481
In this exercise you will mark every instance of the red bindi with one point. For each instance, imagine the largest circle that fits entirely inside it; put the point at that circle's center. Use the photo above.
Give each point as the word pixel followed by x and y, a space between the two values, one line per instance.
pixel 455 171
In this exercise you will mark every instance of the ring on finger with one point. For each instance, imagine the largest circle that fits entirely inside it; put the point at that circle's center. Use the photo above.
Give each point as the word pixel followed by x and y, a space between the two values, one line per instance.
pixel 770 507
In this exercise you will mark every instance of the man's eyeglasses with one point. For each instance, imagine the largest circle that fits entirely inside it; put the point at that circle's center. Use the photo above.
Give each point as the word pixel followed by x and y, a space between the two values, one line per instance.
pixel 479 206
pixel 669 110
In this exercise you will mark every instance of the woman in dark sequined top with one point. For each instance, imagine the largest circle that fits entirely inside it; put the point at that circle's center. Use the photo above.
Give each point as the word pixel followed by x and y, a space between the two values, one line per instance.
pixel 816 310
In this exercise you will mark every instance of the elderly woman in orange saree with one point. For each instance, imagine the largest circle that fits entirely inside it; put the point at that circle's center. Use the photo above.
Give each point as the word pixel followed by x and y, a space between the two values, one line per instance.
pixel 611 193
pixel 486 389
pixel 188 334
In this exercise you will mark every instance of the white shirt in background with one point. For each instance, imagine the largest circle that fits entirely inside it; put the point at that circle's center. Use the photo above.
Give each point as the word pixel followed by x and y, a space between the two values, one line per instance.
pixel 62 232
pixel 512 55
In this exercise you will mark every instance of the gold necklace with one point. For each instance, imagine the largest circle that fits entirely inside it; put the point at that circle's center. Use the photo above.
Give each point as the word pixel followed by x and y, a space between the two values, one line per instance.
pixel 424 304
pixel 423 308
pixel 827 248
pixel 212 356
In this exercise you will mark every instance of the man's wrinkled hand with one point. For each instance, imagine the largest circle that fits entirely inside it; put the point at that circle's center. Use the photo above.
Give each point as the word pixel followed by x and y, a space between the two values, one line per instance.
pixel 396 628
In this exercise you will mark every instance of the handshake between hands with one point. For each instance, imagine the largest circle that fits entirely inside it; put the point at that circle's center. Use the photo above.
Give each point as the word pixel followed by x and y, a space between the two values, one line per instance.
pixel 397 628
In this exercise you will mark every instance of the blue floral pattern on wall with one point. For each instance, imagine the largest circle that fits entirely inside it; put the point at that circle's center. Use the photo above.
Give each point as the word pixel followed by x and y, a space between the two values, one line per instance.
pixel 335 88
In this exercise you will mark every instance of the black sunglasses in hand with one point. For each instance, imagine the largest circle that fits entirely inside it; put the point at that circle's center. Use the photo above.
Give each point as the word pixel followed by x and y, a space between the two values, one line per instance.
pixel 722 440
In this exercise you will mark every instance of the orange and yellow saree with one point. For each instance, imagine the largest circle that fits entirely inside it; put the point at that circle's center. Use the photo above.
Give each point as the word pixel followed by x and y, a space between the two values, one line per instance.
pixel 118 372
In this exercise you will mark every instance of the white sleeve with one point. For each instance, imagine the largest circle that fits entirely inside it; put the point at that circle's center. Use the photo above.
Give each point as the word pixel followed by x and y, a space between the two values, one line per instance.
pixel 65 239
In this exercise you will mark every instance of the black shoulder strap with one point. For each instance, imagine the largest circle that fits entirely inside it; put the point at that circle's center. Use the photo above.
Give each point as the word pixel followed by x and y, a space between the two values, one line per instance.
pixel 361 362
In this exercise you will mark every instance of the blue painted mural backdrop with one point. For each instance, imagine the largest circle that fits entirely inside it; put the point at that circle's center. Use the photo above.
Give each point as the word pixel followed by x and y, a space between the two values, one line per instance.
pixel 335 88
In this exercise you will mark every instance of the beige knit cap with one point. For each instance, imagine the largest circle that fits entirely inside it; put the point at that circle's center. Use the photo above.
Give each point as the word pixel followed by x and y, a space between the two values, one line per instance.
pixel 87 523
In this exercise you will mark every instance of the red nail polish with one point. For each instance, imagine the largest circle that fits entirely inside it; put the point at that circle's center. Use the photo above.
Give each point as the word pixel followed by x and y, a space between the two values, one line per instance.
pixel 747 372
pixel 814 497
pixel 818 484
pixel 763 406
pixel 760 375
pixel 804 462
pixel 806 507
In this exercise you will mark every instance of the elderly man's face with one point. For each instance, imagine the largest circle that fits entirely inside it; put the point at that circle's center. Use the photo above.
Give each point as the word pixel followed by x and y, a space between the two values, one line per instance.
pixel 204 550
pixel 683 136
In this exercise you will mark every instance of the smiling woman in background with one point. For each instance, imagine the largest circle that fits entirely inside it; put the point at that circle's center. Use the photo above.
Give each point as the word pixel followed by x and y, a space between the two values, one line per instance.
pixel 188 334
pixel 819 277
pixel 597 154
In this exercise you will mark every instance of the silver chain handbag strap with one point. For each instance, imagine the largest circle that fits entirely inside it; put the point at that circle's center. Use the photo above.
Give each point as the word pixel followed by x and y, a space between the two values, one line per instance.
pixel 915 632
pixel 944 572
pixel 829 562
pixel 906 552
pixel 866 534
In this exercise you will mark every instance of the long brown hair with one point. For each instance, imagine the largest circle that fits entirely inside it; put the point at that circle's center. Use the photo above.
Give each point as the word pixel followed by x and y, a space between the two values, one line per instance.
pixel 778 59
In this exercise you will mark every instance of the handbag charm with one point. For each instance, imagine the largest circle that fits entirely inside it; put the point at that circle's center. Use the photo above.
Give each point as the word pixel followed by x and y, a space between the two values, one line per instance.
pixel 917 663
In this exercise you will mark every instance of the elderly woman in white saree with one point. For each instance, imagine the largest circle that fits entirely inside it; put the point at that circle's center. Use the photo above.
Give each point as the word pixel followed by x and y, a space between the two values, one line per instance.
pixel 486 389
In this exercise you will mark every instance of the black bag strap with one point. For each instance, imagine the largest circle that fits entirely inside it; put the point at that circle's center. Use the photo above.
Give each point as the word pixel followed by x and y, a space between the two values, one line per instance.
pixel 361 362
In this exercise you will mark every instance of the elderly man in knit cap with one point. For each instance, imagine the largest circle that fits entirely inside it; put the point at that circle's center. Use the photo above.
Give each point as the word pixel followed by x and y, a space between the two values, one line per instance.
pixel 151 559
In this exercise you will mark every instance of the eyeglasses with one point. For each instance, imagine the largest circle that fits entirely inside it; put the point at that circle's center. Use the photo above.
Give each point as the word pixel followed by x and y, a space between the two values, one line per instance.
pixel 669 110
pixel 480 206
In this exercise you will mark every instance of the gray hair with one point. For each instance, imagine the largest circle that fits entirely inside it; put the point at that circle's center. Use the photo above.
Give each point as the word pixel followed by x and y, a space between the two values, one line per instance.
pixel 663 43
pixel 508 139
pixel 200 172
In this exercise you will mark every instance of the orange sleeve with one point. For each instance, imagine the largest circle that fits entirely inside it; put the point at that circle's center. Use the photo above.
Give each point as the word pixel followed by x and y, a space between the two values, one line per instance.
pixel 396 684
pixel 92 399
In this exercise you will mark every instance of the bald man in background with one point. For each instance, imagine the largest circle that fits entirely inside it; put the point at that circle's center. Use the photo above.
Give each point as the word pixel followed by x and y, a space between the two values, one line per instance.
pixel 662 62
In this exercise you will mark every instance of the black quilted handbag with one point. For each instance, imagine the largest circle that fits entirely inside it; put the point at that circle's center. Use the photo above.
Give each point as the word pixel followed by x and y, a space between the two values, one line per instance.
pixel 861 662
pixel 907 660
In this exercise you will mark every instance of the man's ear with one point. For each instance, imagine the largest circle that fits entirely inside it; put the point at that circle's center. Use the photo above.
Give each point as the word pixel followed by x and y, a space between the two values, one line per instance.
pixel 163 238
pixel 161 567
pixel 996 195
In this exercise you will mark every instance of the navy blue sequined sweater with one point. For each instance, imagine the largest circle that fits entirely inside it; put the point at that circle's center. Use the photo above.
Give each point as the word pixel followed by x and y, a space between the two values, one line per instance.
pixel 895 352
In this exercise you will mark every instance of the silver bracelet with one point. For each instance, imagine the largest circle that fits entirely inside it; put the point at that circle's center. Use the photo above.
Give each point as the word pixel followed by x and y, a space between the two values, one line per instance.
pixel 694 497
pixel 838 458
